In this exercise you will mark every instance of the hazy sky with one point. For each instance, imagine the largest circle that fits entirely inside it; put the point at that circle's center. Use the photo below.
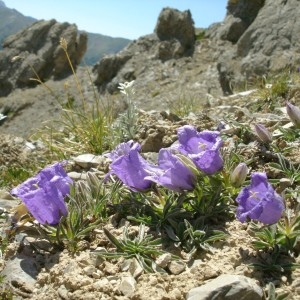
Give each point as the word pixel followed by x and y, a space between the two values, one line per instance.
pixel 118 18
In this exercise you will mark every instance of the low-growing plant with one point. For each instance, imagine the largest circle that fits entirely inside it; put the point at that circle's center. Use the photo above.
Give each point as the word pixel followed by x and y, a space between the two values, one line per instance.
pixel 283 235
pixel 272 295
pixel 194 236
pixel 145 248
pixel 86 128
pixel 287 168
pixel 126 123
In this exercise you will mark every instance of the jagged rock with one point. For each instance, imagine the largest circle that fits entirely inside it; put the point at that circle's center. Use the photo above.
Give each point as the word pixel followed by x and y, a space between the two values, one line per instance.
pixel 229 287
pixel 108 68
pixel 244 9
pixel 266 36
pixel 233 29
pixel 127 285
pixel 21 271
pixel 36 51
pixel 174 38
pixel 273 48
pixel 174 24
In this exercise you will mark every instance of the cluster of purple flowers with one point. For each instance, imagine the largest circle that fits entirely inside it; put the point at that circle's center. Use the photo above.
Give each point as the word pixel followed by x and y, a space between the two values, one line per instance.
pixel 177 169
pixel 200 148
pixel 179 165
pixel 44 194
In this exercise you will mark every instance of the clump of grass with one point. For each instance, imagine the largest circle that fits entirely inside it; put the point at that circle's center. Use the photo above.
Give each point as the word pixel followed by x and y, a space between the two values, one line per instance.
pixel 272 90
pixel 184 105
pixel 81 128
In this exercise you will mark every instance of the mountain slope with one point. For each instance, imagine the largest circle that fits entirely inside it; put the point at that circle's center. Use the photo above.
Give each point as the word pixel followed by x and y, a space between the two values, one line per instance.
pixel 12 21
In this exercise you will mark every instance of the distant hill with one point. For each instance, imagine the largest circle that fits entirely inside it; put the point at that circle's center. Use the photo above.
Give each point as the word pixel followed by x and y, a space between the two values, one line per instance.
pixel 100 45
pixel 12 21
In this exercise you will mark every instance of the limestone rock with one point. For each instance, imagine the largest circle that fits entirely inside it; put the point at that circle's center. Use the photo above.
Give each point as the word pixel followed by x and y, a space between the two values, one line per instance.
pixel 173 38
pixel 263 38
pixel 227 287
pixel 127 285
pixel 36 51
pixel 173 24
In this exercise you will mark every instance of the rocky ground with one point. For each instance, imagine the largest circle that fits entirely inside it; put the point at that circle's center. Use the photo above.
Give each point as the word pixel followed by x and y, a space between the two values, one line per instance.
pixel 34 273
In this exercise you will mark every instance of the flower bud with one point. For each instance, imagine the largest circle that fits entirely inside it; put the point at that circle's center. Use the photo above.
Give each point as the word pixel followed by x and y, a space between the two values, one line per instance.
pixel 263 133
pixel 294 113
pixel 239 175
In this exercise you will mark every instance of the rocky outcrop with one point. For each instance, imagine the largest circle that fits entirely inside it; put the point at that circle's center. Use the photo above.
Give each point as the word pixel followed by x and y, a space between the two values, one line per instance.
pixel 256 38
pixel 36 51
pixel 173 25
pixel 173 39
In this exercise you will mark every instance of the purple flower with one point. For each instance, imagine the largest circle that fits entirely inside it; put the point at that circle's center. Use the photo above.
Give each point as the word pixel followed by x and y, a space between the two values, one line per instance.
pixel 123 149
pixel 294 113
pixel 263 133
pixel 202 147
pixel 44 194
pixel 130 167
pixel 173 174
pixel 259 201
pixel 239 174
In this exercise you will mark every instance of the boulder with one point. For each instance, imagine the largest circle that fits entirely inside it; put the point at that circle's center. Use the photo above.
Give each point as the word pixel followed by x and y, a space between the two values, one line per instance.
pixel 256 38
pixel 272 41
pixel 174 24
pixel 173 38
pixel 36 52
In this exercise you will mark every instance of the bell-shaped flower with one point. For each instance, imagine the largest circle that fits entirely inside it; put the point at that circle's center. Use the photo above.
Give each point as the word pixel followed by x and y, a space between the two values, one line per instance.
pixel 44 194
pixel 175 174
pixel 130 167
pixel 239 174
pixel 259 201
pixel 123 149
pixel 202 147
pixel 263 133
pixel 294 113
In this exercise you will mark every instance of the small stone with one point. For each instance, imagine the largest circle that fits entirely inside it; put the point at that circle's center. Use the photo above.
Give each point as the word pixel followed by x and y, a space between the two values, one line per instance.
pixel 77 176
pixel 135 269
pixel 88 160
pixel 127 285
pixel 89 270
pixel 63 292
pixel 176 267
pixel 227 287
pixel 163 260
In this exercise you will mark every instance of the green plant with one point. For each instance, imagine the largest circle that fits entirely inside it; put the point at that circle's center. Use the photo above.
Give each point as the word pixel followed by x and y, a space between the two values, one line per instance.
pixel 284 235
pixel 287 168
pixel 127 122
pixel 86 128
pixel 272 295
pixel 274 263
pixel 143 247
pixel 194 236
pixel 87 206
pixel 184 105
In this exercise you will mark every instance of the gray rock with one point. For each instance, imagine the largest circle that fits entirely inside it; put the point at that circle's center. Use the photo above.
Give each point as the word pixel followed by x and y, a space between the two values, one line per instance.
pixel 227 287
pixel 163 260
pixel 37 50
pixel 21 272
pixel 89 160
pixel 176 266
pixel 151 59
pixel 244 9
pixel 127 285
pixel 174 24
